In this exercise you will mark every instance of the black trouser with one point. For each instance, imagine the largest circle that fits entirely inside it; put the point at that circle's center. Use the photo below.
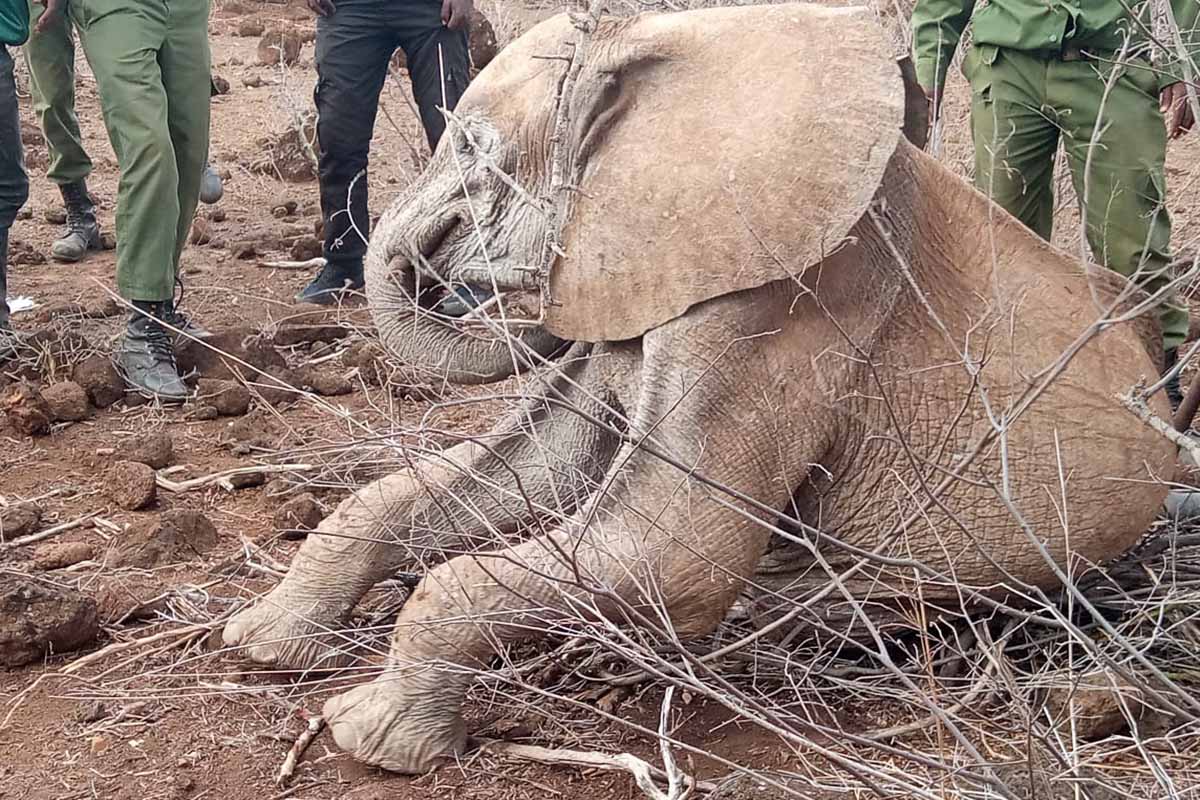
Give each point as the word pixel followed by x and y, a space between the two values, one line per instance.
pixel 353 49
pixel 14 185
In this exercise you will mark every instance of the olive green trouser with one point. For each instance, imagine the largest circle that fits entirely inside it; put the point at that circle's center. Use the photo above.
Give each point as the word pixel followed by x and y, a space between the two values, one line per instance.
pixel 151 62
pixel 51 60
pixel 1022 104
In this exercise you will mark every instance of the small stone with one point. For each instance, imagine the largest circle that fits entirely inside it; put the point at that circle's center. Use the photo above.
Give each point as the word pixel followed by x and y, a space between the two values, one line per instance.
pixel 229 398
pixel 178 535
pixel 299 515
pixel 57 555
pixel 91 712
pixel 306 248
pixel 104 308
pixel 108 241
pixel 201 231
pixel 98 377
pixel 37 619
pixel 155 449
pixel 250 27
pixel 324 382
pixel 279 46
pixel 283 208
pixel 55 216
pixel 220 84
pixel 247 480
pixel 217 214
pixel 67 400
pixel 244 251
pixel 131 485
pixel 253 81
pixel 369 359
pixel 25 213
pixel 19 519
pixel 27 411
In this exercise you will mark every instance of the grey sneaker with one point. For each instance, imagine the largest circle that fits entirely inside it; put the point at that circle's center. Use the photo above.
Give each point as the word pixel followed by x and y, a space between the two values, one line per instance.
pixel 211 188
pixel 83 232
pixel 145 357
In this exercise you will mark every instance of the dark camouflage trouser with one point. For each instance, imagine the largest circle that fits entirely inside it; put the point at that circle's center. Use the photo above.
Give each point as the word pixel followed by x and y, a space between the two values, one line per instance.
pixel 14 185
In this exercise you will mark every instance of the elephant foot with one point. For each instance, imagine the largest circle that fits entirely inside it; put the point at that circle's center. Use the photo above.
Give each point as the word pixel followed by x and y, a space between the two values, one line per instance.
pixel 281 633
pixel 395 723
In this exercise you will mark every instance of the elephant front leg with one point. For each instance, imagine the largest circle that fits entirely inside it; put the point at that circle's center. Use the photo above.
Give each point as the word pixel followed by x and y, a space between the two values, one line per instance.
pixel 658 547
pixel 468 498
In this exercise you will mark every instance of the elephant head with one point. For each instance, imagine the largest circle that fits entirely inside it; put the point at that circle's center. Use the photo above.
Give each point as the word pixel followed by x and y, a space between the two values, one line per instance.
pixel 609 169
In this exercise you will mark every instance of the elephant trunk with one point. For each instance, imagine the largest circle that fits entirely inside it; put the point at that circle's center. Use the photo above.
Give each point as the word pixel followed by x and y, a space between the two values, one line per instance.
pixel 438 347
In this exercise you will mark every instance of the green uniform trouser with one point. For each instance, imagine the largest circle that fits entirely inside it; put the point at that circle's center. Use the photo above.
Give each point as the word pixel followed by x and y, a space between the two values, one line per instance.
pixel 51 60
pixel 1022 104
pixel 151 62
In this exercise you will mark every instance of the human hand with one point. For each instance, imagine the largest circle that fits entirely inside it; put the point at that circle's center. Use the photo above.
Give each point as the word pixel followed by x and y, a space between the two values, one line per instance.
pixel 457 13
pixel 1174 104
pixel 50 17
pixel 322 8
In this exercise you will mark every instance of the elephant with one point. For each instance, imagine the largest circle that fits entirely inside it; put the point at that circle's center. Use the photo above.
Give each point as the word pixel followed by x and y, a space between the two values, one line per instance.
pixel 780 353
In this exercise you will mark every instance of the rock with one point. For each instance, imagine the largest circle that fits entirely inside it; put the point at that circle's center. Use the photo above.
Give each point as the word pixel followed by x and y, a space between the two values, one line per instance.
pixel 289 154
pixel 155 450
pixel 27 411
pixel 37 620
pixel 55 215
pixel 129 596
pixel 57 555
pixel 201 231
pixel 284 208
pixel 214 358
pixel 99 378
pixel 59 311
pixel 254 82
pixel 247 480
pixel 305 248
pixel 250 27
pixel 229 398
pixel 108 241
pixel 279 45
pixel 25 213
pixel 104 308
pixel 217 214
pixel 220 84
pixel 299 515
pixel 177 535
pixel 131 485
pixel 19 520
pixel 67 400
pixel 1097 700
pixel 324 382
pixel 24 254
pixel 243 251
pixel 278 388
pixel 481 38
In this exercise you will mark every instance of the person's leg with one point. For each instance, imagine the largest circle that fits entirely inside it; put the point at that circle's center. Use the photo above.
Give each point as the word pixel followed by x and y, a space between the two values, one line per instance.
pixel 123 44
pixel 50 56
pixel 14 185
pixel 1116 146
pixel 352 52
pixel 1015 138
pixel 439 62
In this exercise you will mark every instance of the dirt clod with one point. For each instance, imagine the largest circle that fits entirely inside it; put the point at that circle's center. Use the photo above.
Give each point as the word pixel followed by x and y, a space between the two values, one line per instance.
pixel 55 215
pixel 56 555
pixel 250 27
pixel 67 400
pixel 1096 704
pixel 305 248
pixel 481 37
pixel 131 485
pixel 27 410
pixel 201 231
pixel 224 352
pixel 298 516
pixel 37 619
pixel 177 535
pixel 99 378
pixel 229 398
pixel 279 45
pixel 255 431
pixel 155 450
pixel 19 519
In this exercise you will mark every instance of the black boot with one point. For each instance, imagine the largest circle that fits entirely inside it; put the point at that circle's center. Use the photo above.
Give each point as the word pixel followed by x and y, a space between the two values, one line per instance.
pixel 332 283
pixel 83 232
pixel 1173 387
pixel 182 324
pixel 146 356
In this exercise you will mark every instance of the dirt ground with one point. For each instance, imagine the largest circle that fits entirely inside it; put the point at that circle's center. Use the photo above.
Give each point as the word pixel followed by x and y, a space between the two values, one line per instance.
pixel 180 719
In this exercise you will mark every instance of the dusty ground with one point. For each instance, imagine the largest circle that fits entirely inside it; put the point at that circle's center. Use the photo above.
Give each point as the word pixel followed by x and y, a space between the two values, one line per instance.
pixel 180 719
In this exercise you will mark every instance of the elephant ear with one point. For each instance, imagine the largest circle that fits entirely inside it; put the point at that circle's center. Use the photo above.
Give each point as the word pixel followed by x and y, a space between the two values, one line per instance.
pixel 740 146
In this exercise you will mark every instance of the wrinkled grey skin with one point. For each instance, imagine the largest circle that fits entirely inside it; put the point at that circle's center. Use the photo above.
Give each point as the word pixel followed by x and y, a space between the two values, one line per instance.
pixel 640 481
